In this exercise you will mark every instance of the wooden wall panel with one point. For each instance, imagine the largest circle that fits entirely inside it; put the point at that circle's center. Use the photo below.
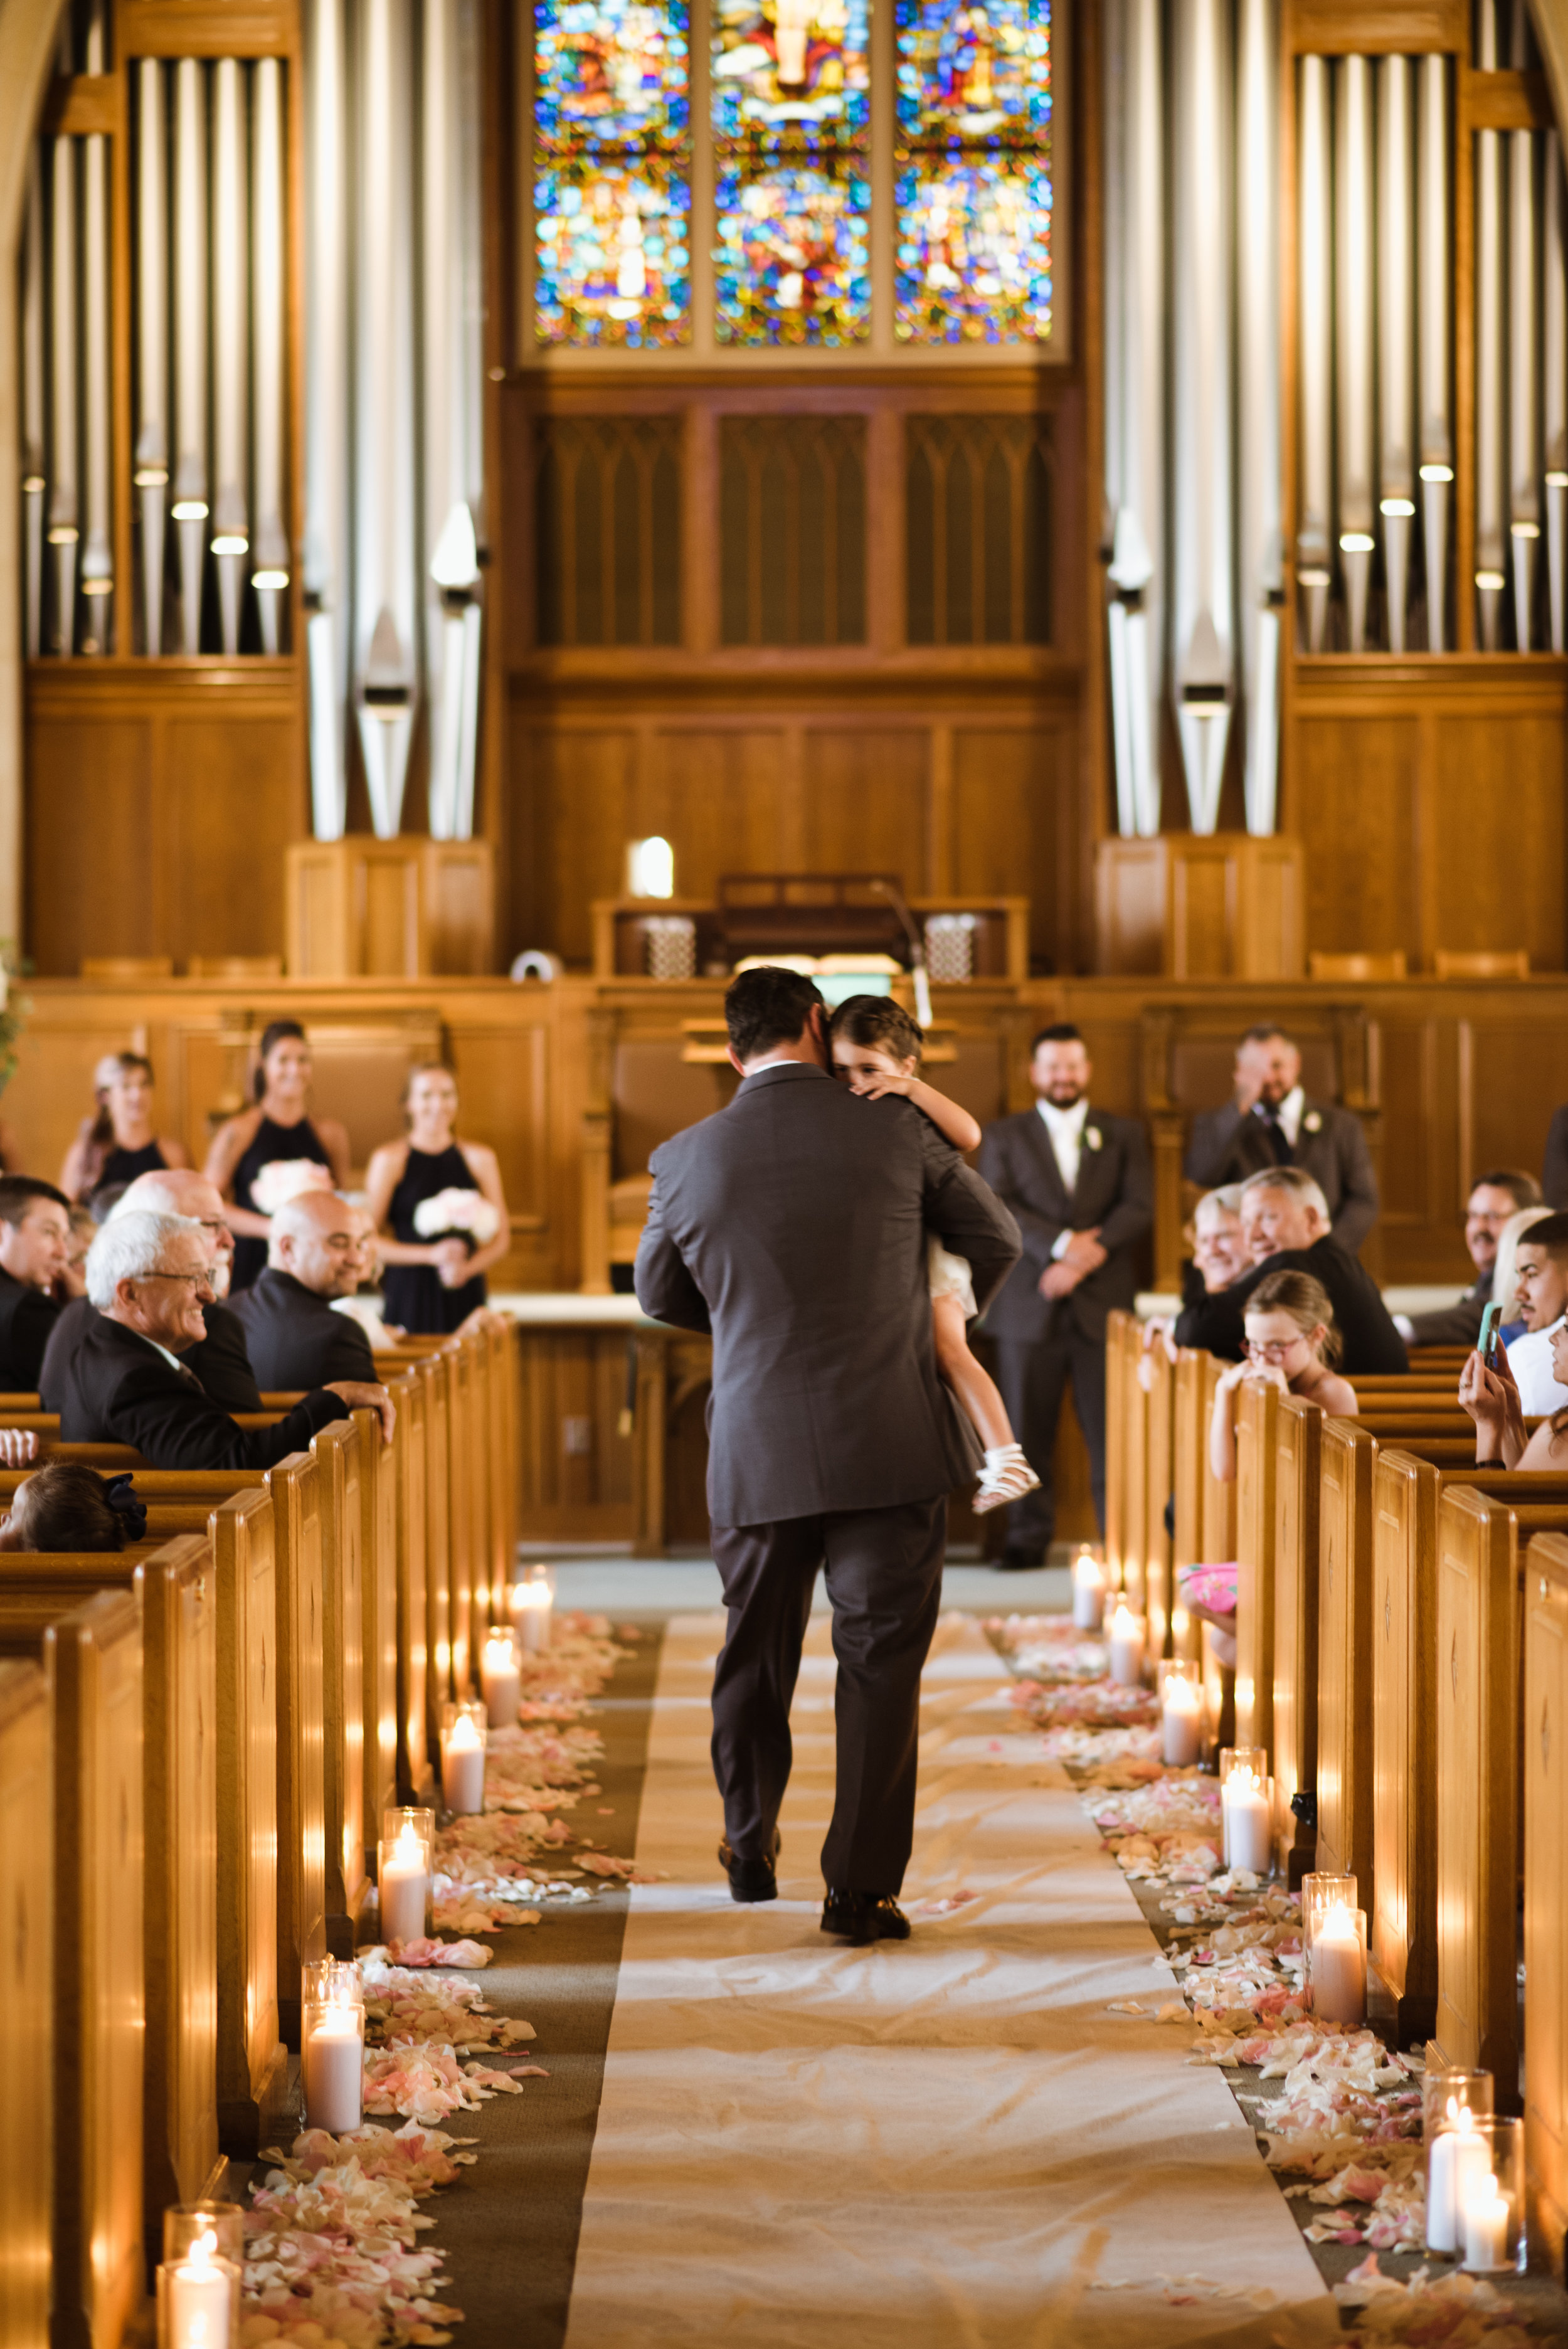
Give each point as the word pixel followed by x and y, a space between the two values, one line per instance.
pixel 571 834
pixel 91 854
pixel 717 795
pixel 1012 787
pixel 863 802
pixel 1352 809
pixel 231 806
pixel 1511 1076
pixel 1494 851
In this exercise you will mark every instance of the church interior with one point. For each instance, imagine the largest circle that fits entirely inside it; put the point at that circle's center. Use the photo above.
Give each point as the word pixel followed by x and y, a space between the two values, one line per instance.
pixel 564 556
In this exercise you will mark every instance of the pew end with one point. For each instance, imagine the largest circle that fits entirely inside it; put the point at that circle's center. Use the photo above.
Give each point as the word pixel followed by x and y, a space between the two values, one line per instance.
pixel 27 2016
pixel 1545 1770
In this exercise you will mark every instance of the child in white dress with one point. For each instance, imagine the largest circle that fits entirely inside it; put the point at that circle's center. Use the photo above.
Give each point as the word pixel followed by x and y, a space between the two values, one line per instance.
pixel 876 1050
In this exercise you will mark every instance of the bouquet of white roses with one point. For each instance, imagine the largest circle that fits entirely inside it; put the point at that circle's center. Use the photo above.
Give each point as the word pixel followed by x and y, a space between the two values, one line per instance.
pixel 468 1215
pixel 285 1179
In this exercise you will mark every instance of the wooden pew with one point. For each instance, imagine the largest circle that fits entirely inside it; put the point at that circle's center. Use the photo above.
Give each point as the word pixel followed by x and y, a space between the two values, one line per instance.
pixel 1116 1405
pixel 1546 1772
pixel 1159 1484
pixel 459 1519
pixel 27 1974
pixel 1134 1472
pixel 431 1373
pixel 415 1742
pixel 1481 1543
pixel 336 1450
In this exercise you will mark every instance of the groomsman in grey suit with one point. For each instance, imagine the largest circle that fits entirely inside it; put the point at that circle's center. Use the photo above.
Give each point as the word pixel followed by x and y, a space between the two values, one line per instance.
pixel 1271 1120
pixel 1079 1188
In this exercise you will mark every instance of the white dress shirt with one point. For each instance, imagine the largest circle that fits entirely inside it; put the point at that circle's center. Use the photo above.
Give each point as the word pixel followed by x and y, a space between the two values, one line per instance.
pixel 1289 1113
pixel 1065 1127
pixel 1529 1359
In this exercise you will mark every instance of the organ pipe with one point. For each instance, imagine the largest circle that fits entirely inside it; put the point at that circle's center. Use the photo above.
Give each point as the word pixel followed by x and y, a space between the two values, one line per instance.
pixel 191 474
pixel 1202 624
pixel 152 342
pixel 230 347
pixel 1523 457
pixel 1554 381
pixel 34 412
pixel 1490 493
pixel 269 577
pixel 1395 327
pixel 62 417
pixel 1135 418
pixel 97 552
pixel 1432 381
pixel 327 534
pixel 1314 349
pixel 1258 404
pixel 1353 335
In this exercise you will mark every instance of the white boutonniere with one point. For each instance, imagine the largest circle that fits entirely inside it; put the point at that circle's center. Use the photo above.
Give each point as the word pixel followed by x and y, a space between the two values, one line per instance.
pixel 1091 1137
pixel 1312 1122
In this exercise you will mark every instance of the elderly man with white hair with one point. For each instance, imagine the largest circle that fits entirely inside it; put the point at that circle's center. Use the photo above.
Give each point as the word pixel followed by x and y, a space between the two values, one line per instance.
pixel 218 1357
pixel 293 1337
pixel 1284 1224
pixel 149 1276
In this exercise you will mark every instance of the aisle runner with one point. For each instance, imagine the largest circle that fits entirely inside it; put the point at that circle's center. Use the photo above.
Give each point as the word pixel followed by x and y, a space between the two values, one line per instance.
pixel 948 2142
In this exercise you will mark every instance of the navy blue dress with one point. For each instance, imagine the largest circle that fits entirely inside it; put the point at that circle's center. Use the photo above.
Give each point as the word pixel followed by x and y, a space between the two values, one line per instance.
pixel 272 1142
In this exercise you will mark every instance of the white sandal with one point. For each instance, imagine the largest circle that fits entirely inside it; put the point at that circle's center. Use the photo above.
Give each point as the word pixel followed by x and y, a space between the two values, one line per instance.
pixel 1006 1476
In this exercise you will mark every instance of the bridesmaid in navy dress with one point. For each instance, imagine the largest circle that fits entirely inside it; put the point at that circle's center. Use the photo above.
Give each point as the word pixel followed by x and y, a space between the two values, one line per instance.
pixel 434 1281
pixel 121 1142
pixel 278 1128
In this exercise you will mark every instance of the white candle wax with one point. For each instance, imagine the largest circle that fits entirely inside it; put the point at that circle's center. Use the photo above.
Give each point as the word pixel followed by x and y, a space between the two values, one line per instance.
pixel 530 1604
pixel 200 2300
pixel 1181 1721
pixel 1245 1811
pixel 334 2069
pixel 1487 2213
pixel 1089 1594
pixel 1456 2165
pixel 405 1890
pixel 1126 1649
pixel 463 1767
pixel 1338 1969
pixel 500 1682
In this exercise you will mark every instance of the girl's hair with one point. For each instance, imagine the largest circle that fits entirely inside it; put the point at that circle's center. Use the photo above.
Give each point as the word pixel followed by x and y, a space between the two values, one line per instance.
pixel 69 1507
pixel 1308 1303
pixel 422 1069
pixel 277 1031
pixel 101 1134
pixel 879 1024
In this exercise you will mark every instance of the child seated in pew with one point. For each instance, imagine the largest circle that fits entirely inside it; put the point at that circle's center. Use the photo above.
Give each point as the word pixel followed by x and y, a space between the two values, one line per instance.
pixel 64 1506
pixel 1292 1344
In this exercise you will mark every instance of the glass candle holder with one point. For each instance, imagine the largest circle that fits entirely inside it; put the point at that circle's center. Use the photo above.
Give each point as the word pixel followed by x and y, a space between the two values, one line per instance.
pixel 464 1729
pixel 532 1598
pixel 199 2281
pixel 1088 1591
pixel 1126 1637
pixel 1490 2199
pixel 1335 1954
pixel 1246 1809
pixel 1181 1714
pixel 499 1678
pixel 332 2046
pixel 1452 2104
pixel 405 1873
pixel 1447 2091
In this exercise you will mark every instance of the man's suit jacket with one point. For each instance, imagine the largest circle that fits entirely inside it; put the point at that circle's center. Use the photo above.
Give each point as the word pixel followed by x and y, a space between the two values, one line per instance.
pixel 116 1388
pixel 1554 1169
pixel 1454 1325
pixel 794 1225
pixel 1226 1147
pixel 27 1318
pixel 219 1359
pixel 296 1339
pixel 1114 1189
pixel 1371 1343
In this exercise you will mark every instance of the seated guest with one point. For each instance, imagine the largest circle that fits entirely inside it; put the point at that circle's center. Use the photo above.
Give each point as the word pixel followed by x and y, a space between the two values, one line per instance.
pixel 435 1276
pixel 119 1142
pixel 1271 1122
pixel 63 1506
pixel 219 1359
pixel 293 1337
pixel 1285 1222
pixel 73 1282
pixel 1541 1283
pixel 1219 1251
pixel 1491 1394
pixel 125 1383
pixel 1292 1344
pixel 35 1249
pixel 1504 1286
pixel 1493 1199
pixel 277 1134
pixel 363 1305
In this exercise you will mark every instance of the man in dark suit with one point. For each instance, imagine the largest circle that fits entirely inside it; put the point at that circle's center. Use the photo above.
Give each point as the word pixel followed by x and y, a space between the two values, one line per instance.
pixel 1285 1222
pixel 1493 1199
pixel 794 1226
pixel 34 1248
pixel 1270 1121
pixel 148 1274
pixel 1079 1184
pixel 1554 1166
pixel 293 1337
pixel 218 1357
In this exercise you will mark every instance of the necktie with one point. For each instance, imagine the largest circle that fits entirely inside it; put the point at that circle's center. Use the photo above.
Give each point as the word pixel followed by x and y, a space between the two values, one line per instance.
pixel 1283 1153
pixel 189 1379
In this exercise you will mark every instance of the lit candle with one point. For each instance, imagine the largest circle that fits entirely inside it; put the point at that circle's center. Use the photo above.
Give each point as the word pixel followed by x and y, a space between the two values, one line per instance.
pixel 1456 2164
pixel 333 2064
pixel 500 1680
pixel 530 1604
pixel 463 1766
pixel 1244 1811
pixel 404 1889
pixel 1487 2213
pixel 1182 1722
pixel 1088 1592
pixel 1126 1646
pixel 198 2297
pixel 1338 1965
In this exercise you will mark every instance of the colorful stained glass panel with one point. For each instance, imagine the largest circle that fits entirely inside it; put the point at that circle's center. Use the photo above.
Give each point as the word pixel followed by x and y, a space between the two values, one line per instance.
pixel 612 73
pixel 790 66
pixel 792 262
pixel 974 252
pixel 980 70
pixel 613 257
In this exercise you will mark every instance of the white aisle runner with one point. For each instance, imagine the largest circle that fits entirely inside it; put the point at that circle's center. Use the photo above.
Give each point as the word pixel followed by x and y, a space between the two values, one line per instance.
pixel 945 2144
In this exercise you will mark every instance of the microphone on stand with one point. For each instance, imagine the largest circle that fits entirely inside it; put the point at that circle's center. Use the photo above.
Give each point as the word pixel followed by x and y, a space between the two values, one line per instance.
pixel 895 897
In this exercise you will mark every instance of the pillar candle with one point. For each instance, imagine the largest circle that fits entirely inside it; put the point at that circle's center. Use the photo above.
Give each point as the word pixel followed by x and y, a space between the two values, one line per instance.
pixel 405 1890
pixel 1457 2164
pixel 1126 1648
pixel 1088 1593
pixel 334 2069
pixel 1244 1808
pixel 530 1604
pixel 1182 1720
pixel 498 1674
pixel 463 1767
pixel 1338 1969
pixel 1486 2215
pixel 198 2299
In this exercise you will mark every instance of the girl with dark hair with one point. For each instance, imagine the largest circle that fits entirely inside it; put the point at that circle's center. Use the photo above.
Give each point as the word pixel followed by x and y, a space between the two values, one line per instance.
pixel 440 1208
pixel 119 1142
pixel 877 1049
pixel 63 1506
pixel 278 1134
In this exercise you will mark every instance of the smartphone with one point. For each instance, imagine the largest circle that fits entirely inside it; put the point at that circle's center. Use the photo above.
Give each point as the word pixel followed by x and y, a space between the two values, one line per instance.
pixel 1487 1338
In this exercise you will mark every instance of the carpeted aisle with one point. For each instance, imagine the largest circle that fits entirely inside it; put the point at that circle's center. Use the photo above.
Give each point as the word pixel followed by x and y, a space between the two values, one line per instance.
pixel 948 2142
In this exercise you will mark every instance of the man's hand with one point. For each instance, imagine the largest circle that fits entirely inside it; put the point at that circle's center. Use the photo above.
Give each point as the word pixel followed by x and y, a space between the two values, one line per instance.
pixel 18 1447
pixel 360 1395
pixel 1085 1252
pixel 1249 1080
pixel 1058 1279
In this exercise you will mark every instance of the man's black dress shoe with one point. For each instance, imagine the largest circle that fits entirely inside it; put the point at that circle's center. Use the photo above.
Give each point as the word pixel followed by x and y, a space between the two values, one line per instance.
pixel 863 1917
pixel 1019 1561
pixel 750 1879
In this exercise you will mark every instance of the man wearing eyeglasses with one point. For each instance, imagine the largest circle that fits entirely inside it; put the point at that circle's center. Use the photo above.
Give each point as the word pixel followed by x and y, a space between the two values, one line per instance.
pixel 219 1357
pixel 149 1277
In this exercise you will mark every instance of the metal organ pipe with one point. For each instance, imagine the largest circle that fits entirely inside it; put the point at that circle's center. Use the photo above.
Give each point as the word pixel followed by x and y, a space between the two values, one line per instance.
pixel 1523 460
pixel 1258 418
pixel 1395 327
pixel 190 482
pixel 1354 334
pixel 1314 347
pixel 34 412
pixel 62 417
pixel 270 576
pixel 327 566
pixel 1432 308
pixel 230 347
pixel 152 342
pixel 96 547
pixel 1554 382
pixel 1489 489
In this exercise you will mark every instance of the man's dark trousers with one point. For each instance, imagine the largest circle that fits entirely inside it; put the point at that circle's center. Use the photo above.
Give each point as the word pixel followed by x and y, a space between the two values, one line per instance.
pixel 1032 1374
pixel 883 1572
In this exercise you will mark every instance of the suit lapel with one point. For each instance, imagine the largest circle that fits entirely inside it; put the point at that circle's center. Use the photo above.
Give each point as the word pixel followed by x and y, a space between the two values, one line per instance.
pixel 1041 1138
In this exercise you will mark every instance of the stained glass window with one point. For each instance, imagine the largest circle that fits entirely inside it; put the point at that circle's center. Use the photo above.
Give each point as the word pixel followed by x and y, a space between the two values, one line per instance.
pixel 973 189
pixel 613 173
pixel 793 263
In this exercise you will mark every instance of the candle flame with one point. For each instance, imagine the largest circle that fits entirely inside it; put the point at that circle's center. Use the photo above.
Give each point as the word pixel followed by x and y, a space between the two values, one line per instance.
pixel 462 1737
pixel 204 2250
pixel 408 1845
